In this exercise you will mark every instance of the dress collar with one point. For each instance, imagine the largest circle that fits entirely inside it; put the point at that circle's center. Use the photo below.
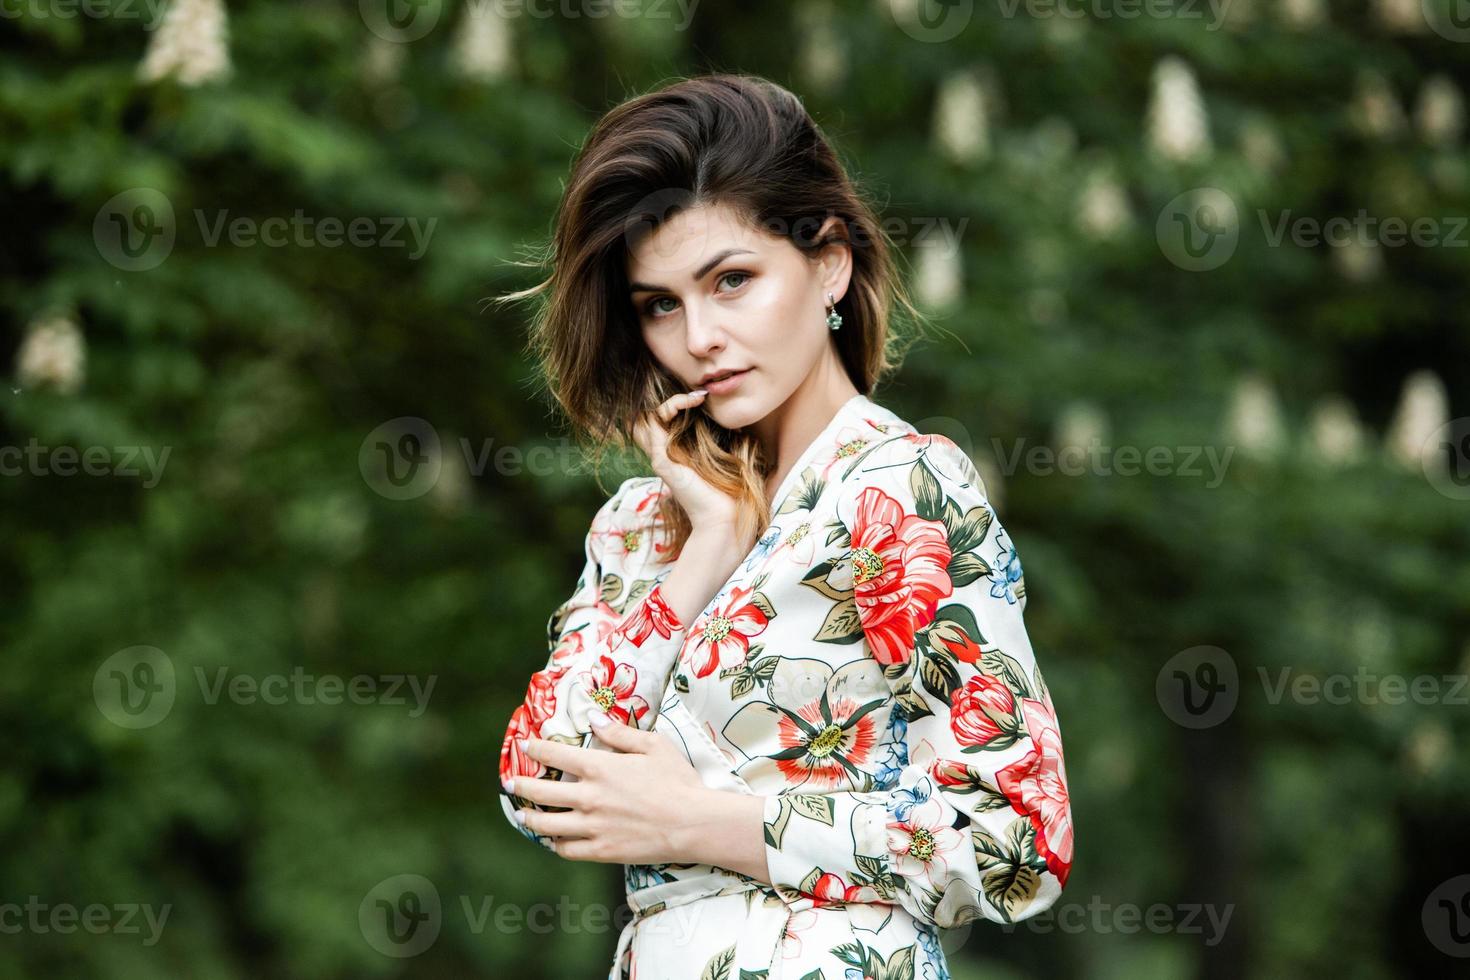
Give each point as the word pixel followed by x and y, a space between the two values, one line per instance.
pixel 847 412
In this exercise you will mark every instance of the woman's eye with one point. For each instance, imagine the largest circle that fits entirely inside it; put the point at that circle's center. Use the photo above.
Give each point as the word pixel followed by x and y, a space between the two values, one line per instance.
pixel 651 308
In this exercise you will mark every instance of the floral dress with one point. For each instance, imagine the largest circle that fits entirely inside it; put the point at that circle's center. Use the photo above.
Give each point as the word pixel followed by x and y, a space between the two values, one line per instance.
pixel 867 671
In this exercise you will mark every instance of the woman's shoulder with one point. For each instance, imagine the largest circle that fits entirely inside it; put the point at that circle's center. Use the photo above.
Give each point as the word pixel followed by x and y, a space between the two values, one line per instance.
pixel 636 495
pixel 624 525
pixel 895 446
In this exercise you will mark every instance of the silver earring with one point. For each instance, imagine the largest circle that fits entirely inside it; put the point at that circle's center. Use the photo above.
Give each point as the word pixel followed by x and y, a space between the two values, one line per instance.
pixel 834 319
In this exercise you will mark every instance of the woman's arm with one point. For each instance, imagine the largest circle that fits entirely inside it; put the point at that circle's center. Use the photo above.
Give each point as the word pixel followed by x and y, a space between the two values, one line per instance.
pixel 614 642
pixel 971 817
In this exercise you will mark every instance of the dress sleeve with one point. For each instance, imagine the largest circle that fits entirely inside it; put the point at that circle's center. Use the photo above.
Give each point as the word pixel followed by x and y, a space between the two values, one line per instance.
pixel 613 643
pixel 969 816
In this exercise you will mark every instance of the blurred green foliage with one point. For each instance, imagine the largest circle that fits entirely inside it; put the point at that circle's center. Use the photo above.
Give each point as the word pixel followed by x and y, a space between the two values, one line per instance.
pixel 265 545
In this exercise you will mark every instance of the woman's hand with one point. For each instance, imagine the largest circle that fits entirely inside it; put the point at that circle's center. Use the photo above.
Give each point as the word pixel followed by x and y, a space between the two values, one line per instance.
pixel 707 507
pixel 634 805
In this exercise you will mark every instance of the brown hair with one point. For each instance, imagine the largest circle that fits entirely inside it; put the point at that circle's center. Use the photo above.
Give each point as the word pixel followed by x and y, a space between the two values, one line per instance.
pixel 730 139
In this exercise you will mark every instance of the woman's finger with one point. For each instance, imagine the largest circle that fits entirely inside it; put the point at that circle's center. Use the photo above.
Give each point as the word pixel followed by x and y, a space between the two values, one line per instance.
pixel 568 824
pixel 549 792
pixel 677 403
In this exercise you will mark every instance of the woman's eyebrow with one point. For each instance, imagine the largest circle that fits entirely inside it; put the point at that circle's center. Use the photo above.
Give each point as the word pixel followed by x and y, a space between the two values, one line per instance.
pixel 643 287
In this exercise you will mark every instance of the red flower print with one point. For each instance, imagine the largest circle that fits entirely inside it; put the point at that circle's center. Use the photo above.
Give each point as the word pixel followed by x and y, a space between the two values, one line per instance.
pixel 541 696
pixel 826 751
pixel 611 687
pixel 1036 785
pixel 648 508
pixel 570 646
pixel 830 889
pixel 957 642
pixel 899 566
pixel 513 762
pixel 983 711
pixel 652 615
pixel 956 775
pixel 636 533
pixel 722 638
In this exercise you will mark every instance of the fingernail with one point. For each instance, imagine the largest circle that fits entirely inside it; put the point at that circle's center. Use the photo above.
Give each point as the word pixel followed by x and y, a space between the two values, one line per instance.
pixel 700 391
pixel 521 818
pixel 521 744
pixel 509 784
pixel 598 719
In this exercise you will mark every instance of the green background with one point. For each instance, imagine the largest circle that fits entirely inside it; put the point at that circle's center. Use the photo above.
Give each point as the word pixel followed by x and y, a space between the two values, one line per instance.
pixel 270 544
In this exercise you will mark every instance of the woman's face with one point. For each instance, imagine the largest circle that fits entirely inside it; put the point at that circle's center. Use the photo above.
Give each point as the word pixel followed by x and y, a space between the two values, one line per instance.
pixel 710 293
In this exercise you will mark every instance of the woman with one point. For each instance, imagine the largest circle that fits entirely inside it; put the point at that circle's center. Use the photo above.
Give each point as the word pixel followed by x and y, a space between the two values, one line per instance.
pixel 792 693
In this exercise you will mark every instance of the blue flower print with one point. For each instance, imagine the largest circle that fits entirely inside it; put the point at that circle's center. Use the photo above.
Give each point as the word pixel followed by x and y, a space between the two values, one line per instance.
pixel 904 800
pixel 1007 570
pixel 895 753
pixel 934 962
pixel 762 547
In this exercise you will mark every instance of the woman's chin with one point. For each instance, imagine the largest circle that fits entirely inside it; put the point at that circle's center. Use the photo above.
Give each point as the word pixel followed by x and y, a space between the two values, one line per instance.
pixel 735 410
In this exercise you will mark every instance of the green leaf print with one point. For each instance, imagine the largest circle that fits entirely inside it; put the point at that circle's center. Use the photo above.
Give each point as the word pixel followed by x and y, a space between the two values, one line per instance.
pixel 1011 887
pixel 813 806
pixel 842 625
pixel 872 964
pixel 965 568
pixel 1000 664
pixel 929 497
pixel 718 968
pixel 776 829
pixel 966 530
pixel 817 577
pixel 939 675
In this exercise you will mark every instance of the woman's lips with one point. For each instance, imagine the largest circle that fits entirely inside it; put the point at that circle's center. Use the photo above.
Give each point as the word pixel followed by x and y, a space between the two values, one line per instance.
pixel 728 383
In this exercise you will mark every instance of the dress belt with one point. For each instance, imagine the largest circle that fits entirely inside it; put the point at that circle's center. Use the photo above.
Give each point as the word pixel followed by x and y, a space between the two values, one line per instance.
pixel 758 944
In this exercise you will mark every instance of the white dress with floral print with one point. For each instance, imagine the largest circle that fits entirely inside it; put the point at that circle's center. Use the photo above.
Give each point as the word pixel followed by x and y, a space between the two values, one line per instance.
pixel 866 669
